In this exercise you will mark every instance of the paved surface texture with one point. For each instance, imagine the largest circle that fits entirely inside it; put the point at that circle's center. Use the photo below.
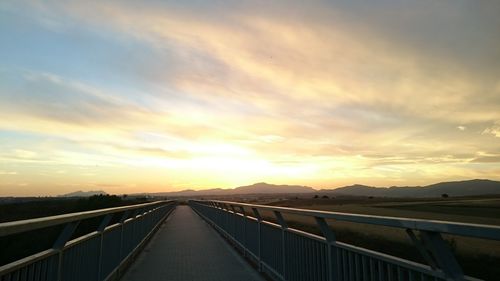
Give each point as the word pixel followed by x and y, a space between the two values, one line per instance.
pixel 187 248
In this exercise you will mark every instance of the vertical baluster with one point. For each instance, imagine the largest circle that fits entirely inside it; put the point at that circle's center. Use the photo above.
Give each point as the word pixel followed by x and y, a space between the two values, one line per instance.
pixel 357 265
pixel 411 275
pixel 389 273
pixel 284 227
pixel 105 221
pixel 235 217
pixel 245 244
pixel 60 242
pixel 398 273
pixel 122 225
pixel 259 242
pixel 372 270
pixel 380 271
pixel 330 241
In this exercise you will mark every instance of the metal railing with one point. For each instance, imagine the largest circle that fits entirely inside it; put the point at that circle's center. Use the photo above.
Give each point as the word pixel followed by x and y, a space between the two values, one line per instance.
pixel 98 255
pixel 286 253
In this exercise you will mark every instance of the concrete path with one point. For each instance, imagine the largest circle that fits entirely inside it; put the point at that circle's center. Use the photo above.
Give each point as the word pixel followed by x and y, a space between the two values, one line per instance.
pixel 186 248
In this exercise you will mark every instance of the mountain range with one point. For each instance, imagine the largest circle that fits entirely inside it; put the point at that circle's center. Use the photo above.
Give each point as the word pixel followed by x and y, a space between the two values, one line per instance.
pixel 257 188
pixel 80 193
pixel 454 188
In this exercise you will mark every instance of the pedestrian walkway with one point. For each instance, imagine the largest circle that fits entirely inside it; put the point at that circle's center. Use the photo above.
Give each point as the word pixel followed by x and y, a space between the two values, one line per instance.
pixel 187 248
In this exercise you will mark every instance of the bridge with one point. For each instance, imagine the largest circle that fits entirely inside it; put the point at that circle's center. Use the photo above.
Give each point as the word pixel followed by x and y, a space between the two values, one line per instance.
pixel 219 240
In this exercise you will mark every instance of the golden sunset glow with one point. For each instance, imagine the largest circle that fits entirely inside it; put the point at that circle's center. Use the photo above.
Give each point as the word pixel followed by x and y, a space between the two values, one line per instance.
pixel 148 96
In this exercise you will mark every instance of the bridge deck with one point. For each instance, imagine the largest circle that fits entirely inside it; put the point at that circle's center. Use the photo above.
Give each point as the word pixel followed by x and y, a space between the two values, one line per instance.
pixel 187 248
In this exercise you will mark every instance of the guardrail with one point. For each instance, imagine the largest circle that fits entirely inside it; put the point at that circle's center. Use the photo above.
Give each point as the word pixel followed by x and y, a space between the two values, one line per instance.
pixel 99 255
pixel 285 253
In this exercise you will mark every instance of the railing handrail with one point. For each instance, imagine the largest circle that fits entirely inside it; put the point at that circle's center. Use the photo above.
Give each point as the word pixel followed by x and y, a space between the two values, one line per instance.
pixel 13 227
pixel 456 228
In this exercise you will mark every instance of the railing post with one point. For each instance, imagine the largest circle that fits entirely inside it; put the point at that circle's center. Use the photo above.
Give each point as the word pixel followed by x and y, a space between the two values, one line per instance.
pixel 105 221
pixel 422 249
pixel 60 242
pixel 284 227
pixel 122 225
pixel 330 241
pixel 226 218
pixel 259 238
pixel 244 231
pixel 442 254
pixel 234 221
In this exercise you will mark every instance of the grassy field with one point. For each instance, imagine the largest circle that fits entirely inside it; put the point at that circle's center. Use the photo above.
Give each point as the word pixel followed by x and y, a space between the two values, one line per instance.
pixel 479 258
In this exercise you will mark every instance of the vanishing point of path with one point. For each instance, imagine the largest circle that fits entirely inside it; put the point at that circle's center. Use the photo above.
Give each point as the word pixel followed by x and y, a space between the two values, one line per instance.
pixel 186 248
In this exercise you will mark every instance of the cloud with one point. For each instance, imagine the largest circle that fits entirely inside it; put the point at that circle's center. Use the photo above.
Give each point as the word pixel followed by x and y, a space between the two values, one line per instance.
pixel 325 63
pixel 52 98
pixel 487 159
pixel 25 154
pixel 493 130
pixel 52 104
pixel 310 89
pixel 313 70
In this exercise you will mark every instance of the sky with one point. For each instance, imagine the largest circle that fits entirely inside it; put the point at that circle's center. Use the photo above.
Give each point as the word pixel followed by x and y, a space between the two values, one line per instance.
pixel 147 96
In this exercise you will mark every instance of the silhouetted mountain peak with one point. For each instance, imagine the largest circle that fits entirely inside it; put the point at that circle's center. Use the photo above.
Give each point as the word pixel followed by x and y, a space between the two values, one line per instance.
pixel 81 193
pixel 263 187
pixel 453 188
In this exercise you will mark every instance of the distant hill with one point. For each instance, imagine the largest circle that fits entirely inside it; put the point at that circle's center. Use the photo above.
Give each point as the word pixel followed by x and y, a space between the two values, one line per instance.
pixel 191 192
pixel 84 193
pixel 263 187
pixel 455 188
pixel 257 188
